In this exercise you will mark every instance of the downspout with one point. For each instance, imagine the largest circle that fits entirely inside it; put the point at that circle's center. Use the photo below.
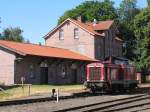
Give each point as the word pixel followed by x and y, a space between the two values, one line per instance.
pixel 104 48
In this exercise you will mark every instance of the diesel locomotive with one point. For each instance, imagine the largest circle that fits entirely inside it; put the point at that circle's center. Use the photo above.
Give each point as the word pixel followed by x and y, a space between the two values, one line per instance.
pixel 114 74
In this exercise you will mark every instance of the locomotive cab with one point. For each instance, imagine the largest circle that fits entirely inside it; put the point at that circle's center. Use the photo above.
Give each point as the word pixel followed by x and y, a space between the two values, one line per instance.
pixel 95 76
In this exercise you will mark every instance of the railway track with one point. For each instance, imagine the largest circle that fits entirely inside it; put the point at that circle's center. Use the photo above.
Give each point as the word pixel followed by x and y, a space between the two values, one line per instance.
pixel 130 104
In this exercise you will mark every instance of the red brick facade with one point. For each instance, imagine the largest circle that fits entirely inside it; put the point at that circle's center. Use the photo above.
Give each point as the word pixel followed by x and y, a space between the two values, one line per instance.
pixel 88 43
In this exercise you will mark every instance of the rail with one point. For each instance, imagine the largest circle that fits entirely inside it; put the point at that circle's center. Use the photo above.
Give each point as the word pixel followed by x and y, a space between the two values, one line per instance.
pixel 108 104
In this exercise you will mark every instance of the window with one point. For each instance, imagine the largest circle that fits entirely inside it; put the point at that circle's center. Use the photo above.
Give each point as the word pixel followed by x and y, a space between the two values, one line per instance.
pixel 62 70
pixel 32 74
pixel 61 34
pixel 114 73
pixel 76 33
pixel 44 64
pixel 94 73
pixel 131 73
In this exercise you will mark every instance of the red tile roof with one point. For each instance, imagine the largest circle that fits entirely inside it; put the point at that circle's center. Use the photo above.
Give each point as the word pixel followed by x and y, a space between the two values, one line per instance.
pixel 86 27
pixel 103 25
pixel 40 50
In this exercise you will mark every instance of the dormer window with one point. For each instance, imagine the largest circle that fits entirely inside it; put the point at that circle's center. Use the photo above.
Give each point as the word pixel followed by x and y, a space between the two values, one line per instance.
pixel 76 33
pixel 61 34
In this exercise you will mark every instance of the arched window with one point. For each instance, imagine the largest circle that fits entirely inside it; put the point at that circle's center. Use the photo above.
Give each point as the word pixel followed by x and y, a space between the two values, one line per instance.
pixel 76 33
pixel 61 34
pixel 63 70
pixel 43 64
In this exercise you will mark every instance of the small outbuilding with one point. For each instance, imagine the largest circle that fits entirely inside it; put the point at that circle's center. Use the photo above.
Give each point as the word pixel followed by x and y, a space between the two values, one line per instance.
pixel 38 64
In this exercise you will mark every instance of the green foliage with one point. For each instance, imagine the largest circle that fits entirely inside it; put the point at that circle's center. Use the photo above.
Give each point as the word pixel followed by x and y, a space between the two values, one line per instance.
pixel 90 10
pixel 127 34
pixel 142 33
pixel 127 12
pixel 148 2
pixel 12 34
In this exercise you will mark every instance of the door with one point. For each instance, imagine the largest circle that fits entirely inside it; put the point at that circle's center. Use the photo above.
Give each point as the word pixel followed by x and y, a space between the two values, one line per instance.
pixel 74 76
pixel 44 75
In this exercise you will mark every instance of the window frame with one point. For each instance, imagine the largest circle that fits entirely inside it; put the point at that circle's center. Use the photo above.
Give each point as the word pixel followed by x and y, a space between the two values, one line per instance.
pixel 61 34
pixel 76 33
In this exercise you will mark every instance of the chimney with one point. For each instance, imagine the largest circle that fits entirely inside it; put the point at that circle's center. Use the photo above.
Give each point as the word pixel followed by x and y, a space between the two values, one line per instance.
pixel 94 22
pixel 79 18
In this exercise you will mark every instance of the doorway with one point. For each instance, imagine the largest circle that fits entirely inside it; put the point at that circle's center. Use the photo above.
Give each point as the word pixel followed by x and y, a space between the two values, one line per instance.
pixel 44 75
pixel 74 76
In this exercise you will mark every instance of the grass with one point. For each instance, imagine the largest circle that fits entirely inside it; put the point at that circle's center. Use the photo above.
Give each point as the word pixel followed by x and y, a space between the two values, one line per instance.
pixel 19 92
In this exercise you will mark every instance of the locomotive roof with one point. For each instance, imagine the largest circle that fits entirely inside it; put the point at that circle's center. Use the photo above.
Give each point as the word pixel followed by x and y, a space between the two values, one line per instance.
pixel 116 60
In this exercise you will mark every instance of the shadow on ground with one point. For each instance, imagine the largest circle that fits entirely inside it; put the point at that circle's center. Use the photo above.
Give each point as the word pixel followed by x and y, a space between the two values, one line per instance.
pixel 8 87
pixel 140 90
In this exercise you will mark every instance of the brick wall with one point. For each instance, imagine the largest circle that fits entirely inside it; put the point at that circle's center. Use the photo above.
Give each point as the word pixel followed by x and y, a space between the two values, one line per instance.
pixel 23 68
pixel 6 66
pixel 92 46
pixel 84 44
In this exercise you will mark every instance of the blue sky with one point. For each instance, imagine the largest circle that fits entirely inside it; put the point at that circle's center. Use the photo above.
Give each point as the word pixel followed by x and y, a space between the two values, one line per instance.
pixel 37 17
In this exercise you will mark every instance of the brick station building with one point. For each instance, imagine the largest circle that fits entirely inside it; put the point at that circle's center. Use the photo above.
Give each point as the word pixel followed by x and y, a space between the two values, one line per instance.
pixel 97 40
pixel 40 64
pixel 68 48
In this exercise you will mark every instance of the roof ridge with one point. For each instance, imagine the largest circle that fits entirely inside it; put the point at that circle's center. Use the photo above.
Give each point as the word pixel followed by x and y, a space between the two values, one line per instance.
pixel 101 21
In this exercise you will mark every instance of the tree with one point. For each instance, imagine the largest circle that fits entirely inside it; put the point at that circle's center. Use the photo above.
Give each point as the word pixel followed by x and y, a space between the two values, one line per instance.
pixel 142 33
pixel 127 12
pixel 148 2
pixel 13 34
pixel 90 10
pixel 126 32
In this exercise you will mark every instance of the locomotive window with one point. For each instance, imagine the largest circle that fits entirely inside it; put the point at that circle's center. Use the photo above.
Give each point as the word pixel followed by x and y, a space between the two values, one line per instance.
pixel 114 73
pixel 131 72
pixel 94 73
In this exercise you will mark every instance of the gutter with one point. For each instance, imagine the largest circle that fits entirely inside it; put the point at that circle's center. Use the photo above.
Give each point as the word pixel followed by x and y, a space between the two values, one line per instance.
pixel 13 50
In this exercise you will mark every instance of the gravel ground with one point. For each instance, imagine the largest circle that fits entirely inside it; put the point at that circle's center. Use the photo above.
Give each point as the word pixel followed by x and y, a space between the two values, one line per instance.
pixel 53 105
pixel 50 106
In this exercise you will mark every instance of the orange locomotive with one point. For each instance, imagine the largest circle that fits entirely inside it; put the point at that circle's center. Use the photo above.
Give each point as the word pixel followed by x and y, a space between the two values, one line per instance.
pixel 114 74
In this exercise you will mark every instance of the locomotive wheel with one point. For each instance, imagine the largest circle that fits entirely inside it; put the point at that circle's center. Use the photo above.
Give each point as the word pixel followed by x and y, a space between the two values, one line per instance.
pixel 132 87
pixel 114 88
